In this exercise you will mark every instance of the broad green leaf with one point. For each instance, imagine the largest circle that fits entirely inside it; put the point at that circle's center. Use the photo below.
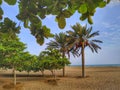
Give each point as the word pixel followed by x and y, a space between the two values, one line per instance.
pixel 66 13
pixel 47 32
pixel 1 11
pixel 71 10
pixel 102 4
pixel 42 14
pixel 34 19
pixel 83 8
pixel 83 17
pixel 42 8
pixel 10 2
pixel 108 1
pixel 0 16
pixel 61 22
pixel 38 25
pixel 90 20
pixel 26 23
pixel 92 12
pixel 32 8
pixel 40 40
pixel 0 2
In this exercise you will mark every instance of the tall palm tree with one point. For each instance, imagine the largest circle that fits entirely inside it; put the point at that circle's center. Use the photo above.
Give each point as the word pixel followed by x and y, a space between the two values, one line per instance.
pixel 81 38
pixel 60 43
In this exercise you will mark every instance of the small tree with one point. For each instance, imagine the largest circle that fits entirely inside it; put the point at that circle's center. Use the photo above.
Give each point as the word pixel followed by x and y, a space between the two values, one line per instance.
pixel 13 50
pixel 10 45
pixel 52 60
pixel 28 62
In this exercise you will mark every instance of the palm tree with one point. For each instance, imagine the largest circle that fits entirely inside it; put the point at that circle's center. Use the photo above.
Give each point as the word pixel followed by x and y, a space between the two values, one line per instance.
pixel 60 42
pixel 81 38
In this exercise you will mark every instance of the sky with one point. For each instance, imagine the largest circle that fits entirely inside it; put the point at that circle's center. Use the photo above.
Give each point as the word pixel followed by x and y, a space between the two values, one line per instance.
pixel 106 20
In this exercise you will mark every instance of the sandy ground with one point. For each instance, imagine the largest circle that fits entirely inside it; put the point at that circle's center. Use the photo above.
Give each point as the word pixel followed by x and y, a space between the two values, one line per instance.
pixel 98 78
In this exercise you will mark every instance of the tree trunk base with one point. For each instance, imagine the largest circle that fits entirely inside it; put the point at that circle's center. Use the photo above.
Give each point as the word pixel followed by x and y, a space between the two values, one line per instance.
pixel 82 77
pixel 64 71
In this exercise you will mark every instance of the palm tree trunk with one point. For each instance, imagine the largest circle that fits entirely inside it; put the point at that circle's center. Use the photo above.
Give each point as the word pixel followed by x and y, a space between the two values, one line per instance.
pixel 14 71
pixel 63 55
pixel 83 60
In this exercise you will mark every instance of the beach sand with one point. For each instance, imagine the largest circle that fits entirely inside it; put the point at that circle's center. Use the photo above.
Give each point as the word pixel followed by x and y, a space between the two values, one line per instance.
pixel 97 78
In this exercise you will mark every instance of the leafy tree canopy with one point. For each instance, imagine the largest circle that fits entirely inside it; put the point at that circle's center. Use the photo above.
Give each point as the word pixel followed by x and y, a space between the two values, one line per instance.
pixel 8 29
pixel 10 46
pixel 52 59
pixel 32 12
pixel 80 34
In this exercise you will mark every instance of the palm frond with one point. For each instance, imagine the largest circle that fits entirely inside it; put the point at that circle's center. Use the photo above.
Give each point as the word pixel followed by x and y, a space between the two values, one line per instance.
pixel 53 44
pixel 91 48
pixel 98 41
pixel 95 46
pixel 94 34
pixel 60 42
pixel 88 31
pixel 77 28
pixel 71 33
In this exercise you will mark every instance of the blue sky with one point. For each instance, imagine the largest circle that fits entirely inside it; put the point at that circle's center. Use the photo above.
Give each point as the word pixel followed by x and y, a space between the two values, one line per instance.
pixel 106 20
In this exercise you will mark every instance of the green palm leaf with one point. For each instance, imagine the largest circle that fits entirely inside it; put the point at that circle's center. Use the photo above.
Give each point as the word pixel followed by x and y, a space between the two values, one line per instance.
pixel 80 34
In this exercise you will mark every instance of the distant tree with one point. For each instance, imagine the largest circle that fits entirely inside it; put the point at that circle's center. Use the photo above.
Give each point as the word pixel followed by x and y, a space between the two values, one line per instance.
pixel 33 12
pixel 39 66
pixel 27 63
pixel 52 60
pixel 81 37
pixel 61 43
pixel 13 51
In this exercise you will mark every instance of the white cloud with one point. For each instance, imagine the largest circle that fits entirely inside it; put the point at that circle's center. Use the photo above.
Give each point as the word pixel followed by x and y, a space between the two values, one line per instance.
pixel 111 25
pixel 118 17
pixel 110 33
pixel 113 3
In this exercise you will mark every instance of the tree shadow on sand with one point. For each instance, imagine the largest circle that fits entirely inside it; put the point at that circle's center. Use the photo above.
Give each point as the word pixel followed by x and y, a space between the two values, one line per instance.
pixel 10 86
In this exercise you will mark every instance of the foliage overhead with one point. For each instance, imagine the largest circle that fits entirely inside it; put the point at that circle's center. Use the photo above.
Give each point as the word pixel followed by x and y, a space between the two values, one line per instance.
pixel 52 59
pixel 32 12
pixel 8 28
pixel 62 9
pixel 40 33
